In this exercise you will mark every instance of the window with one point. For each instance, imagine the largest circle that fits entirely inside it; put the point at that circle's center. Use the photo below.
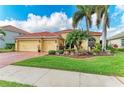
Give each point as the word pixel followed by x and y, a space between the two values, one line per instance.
pixel 1 37
pixel 122 42
pixel 20 33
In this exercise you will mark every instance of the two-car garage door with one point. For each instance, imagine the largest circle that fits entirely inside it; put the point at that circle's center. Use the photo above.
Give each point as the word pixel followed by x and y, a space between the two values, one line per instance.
pixel 28 45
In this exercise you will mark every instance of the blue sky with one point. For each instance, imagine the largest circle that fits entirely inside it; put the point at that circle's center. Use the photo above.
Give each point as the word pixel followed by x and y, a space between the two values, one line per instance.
pixel 20 12
pixel 35 18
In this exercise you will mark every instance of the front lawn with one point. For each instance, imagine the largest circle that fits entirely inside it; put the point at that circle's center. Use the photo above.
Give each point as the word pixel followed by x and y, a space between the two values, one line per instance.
pixel 107 65
pixel 12 84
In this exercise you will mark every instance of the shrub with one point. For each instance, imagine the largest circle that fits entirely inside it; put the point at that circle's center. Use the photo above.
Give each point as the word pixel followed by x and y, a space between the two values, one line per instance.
pixel 115 46
pixel 97 48
pixel 70 50
pixel 120 49
pixel 9 46
pixel 51 52
pixel 111 48
pixel 61 47
pixel 60 51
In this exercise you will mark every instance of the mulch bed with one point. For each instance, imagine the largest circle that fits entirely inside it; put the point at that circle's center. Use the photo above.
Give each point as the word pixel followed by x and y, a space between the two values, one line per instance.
pixel 85 56
pixel 75 56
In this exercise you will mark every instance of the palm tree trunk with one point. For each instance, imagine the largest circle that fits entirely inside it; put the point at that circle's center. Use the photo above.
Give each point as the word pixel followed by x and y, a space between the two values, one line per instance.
pixel 87 26
pixel 104 35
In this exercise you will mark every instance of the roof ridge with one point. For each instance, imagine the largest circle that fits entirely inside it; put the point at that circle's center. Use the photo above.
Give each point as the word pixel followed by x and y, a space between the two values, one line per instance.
pixel 14 28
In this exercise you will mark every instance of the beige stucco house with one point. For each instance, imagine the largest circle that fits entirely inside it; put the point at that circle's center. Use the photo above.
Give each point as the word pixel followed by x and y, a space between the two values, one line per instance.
pixel 117 39
pixel 46 41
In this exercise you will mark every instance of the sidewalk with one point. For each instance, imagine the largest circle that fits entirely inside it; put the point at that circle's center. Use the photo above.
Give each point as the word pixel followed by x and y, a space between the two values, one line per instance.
pixel 56 78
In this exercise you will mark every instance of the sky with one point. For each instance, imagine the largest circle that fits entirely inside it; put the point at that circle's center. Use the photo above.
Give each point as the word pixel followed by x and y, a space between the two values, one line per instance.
pixel 37 18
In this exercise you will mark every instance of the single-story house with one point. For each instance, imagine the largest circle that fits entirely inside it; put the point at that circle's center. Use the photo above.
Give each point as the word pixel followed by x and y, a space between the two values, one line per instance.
pixel 117 39
pixel 46 41
pixel 11 34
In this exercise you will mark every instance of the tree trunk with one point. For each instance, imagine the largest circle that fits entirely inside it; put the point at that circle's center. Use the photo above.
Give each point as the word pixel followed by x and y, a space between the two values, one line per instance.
pixel 104 35
pixel 77 47
pixel 87 26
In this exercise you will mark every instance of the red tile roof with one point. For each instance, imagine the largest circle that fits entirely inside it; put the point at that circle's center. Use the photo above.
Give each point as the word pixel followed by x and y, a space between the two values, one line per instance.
pixel 95 33
pixel 41 34
pixel 55 34
pixel 70 30
pixel 64 31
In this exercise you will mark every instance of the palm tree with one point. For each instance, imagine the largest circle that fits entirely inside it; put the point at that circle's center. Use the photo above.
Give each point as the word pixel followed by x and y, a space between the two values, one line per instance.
pixel 102 14
pixel 84 11
pixel 2 32
pixel 75 38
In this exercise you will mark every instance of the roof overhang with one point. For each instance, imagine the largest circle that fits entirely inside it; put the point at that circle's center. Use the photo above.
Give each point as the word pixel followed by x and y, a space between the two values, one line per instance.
pixel 39 37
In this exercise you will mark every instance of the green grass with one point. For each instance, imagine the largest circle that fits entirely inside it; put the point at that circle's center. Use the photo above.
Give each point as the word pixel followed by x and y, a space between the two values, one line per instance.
pixel 3 50
pixel 107 65
pixel 12 84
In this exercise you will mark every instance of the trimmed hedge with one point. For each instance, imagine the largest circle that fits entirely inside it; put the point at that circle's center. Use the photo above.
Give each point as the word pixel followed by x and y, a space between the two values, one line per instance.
pixel 51 52
pixel 120 49
pixel 60 51
pixel 10 46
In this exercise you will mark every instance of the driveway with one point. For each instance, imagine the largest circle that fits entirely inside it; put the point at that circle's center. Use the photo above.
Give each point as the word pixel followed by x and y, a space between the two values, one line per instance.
pixel 57 78
pixel 12 57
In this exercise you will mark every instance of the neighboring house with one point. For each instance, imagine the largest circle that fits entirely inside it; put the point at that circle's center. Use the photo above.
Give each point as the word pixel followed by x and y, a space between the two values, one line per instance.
pixel 11 34
pixel 46 41
pixel 117 39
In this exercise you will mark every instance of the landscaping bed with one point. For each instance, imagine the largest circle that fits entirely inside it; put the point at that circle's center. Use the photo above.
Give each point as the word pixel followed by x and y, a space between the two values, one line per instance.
pixel 82 54
pixel 12 84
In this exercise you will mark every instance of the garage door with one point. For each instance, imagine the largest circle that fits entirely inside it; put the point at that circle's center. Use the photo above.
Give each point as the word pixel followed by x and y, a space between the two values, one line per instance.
pixel 49 45
pixel 28 45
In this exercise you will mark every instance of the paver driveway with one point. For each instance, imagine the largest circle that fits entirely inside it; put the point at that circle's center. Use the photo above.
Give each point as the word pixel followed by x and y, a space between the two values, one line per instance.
pixel 57 78
pixel 12 57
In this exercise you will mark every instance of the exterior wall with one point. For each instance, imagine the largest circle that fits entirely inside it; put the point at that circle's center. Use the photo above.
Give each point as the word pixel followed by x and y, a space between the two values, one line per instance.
pixel 64 35
pixel 60 42
pixel 97 39
pixel 85 44
pixel 49 44
pixel 116 41
pixel 9 38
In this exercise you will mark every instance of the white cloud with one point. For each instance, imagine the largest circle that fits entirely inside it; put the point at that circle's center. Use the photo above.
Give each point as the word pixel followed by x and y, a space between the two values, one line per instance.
pixel 118 10
pixel 120 7
pixel 115 30
pixel 122 18
pixel 35 23
pixel 94 19
pixel 118 29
